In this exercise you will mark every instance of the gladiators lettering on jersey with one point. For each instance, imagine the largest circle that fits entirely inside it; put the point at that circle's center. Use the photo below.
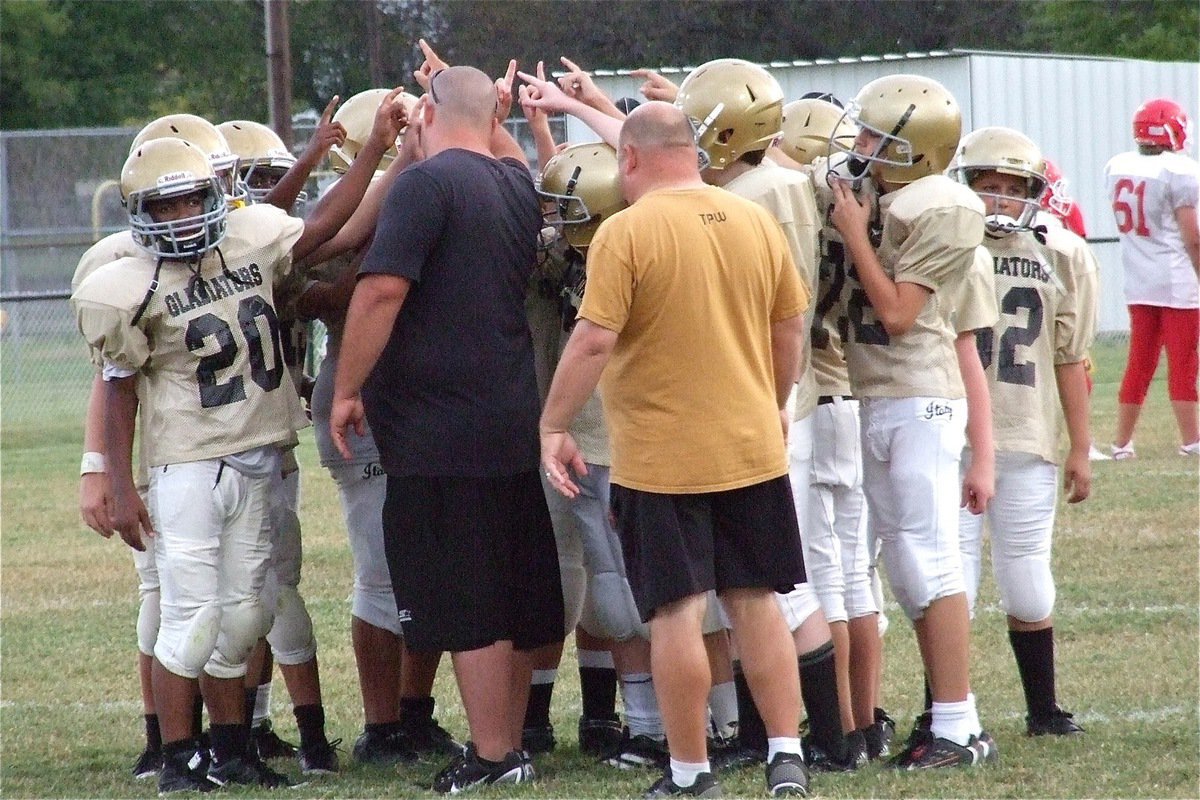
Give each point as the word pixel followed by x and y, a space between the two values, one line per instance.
pixel 1022 267
pixel 203 291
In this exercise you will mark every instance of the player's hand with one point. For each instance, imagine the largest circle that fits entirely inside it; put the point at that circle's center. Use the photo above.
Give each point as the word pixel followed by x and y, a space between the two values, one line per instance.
pixel 93 503
pixel 432 64
pixel 504 93
pixel 412 146
pixel 579 84
pixel 347 412
pixel 979 486
pixel 849 216
pixel 548 97
pixel 129 516
pixel 1077 477
pixel 327 134
pixel 390 118
pixel 655 86
pixel 559 452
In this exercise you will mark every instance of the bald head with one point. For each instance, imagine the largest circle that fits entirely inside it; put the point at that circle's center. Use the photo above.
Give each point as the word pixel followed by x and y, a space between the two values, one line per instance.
pixel 658 126
pixel 464 96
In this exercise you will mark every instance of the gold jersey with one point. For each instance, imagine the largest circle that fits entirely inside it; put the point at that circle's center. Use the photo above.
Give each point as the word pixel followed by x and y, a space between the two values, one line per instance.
pixel 207 343
pixel 1046 295
pixel 975 302
pixel 788 195
pixel 927 234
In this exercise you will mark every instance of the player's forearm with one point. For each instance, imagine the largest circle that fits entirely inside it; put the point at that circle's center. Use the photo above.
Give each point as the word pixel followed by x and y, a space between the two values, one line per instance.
pixel 120 406
pixel 608 128
pixel 283 194
pixel 1073 395
pixel 787 343
pixel 895 305
pixel 94 418
pixel 376 301
pixel 979 399
pixel 503 145
pixel 575 378
pixel 543 140
pixel 340 201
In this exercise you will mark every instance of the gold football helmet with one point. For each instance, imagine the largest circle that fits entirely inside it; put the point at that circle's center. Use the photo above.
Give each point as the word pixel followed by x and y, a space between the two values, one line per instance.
pixel 809 124
pixel 204 135
pixel 262 156
pixel 917 123
pixel 169 167
pixel 357 116
pixel 582 182
pixel 736 108
pixel 1008 152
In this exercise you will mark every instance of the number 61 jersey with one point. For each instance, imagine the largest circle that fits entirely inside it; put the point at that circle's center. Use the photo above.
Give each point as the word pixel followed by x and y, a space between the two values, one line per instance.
pixel 1046 295
pixel 207 343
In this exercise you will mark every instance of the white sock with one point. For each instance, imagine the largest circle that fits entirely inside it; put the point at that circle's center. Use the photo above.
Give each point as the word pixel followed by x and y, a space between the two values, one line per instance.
pixel 641 705
pixel 722 704
pixel 782 744
pixel 957 722
pixel 684 773
pixel 262 703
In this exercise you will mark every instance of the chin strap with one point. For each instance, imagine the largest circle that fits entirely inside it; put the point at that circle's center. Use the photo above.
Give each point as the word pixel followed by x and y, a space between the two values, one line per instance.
pixel 149 293
pixel 1039 233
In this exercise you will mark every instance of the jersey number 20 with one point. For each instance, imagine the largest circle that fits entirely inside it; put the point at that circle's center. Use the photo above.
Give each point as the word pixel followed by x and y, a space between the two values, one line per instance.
pixel 250 309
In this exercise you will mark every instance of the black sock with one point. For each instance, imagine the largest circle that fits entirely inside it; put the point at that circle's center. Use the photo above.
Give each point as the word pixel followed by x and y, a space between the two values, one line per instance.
pixel 229 741
pixel 928 694
pixel 1035 661
pixel 153 734
pixel 537 710
pixel 250 701
pixel 382 728
pixel 416 709
pixel 197 715
pixel 752 733
pixel 310 719
pixel 598 687
pixel 818 687
pixel 181 750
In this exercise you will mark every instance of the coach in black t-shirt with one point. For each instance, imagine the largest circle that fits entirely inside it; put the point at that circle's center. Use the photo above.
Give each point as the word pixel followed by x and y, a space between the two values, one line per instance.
pixel 437 341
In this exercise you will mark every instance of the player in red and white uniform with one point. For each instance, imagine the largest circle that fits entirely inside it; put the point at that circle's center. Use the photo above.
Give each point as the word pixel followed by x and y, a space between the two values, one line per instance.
pixel 1154 192
pixel 1034 360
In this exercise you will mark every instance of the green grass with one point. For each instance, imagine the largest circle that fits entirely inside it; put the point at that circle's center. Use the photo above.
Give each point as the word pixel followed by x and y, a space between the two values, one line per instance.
pixel 1126 563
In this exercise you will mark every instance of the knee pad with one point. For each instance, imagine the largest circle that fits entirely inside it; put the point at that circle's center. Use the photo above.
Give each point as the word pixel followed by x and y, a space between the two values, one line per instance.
pixel 609 610
pixel 798 605
pixel 242 625
pixel 1026 589
pixel 286 551
pixel 149 615
pixel 715 618
pixel 188 655
pixel 291 634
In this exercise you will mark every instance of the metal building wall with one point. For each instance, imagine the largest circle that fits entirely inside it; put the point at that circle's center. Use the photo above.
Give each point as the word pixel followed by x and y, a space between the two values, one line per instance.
pixel 1077 108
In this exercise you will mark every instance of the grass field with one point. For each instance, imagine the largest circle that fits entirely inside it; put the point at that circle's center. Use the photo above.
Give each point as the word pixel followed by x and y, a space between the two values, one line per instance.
pixel 70 719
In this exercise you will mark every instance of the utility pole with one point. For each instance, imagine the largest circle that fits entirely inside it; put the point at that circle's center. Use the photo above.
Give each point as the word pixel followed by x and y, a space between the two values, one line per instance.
pixel 279 69
pixel 374 45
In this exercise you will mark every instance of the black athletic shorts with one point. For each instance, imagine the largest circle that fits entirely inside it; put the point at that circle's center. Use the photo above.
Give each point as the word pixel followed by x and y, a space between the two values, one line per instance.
pixel 473 562
pixel 678 545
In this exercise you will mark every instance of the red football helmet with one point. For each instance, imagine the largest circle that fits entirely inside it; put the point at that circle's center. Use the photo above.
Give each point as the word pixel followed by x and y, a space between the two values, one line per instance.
pixel 1162 123
pixel 1058 202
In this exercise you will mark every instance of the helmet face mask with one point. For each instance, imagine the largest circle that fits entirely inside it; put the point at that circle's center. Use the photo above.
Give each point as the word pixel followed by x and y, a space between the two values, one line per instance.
pixel 1161 123
pixel 735 106
pixel 1006 153
pixel 169 168
pixel 908 127
pixel 582 184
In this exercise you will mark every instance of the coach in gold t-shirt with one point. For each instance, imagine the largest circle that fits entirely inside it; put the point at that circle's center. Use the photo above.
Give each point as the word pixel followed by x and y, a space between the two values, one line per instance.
pixel 695 306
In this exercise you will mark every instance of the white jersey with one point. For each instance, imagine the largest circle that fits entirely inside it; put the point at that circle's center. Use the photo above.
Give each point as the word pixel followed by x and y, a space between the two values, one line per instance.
pixel 1145 191
pixel 207 343
pixel 928 233
pixel 788 195
pixel 1047 300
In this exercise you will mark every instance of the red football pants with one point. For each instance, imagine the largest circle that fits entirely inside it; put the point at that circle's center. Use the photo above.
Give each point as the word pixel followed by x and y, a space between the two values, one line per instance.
pixel 1151 328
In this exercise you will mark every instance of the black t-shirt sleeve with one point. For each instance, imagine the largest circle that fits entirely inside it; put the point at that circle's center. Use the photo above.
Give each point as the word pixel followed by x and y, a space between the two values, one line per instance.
pixel 410 225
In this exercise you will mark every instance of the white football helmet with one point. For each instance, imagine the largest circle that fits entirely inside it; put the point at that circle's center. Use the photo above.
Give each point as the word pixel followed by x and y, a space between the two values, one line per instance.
pixel 204 135
pixel 262 157
pixel 165 168
pixel 357 116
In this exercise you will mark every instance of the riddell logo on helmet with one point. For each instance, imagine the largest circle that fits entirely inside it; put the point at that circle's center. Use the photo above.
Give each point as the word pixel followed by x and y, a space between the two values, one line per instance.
pixel 172 177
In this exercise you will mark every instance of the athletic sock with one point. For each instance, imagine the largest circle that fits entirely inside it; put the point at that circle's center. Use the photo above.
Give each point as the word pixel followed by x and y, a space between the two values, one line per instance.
pixel 249 699
pixel 1034 651
pixel 153 732
pixel 310 719
pixel 957 721
pixel 782 744
pixel 723 706
pixel 197 715
pixel 381 729
pixel 262 704
pixel 684 773
pixel 541 689
pixel 752 733
pixel 818 688
pixel 928 694
pixel 597 684
pixel 229 741
pixel 642 714
pixel 416 709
